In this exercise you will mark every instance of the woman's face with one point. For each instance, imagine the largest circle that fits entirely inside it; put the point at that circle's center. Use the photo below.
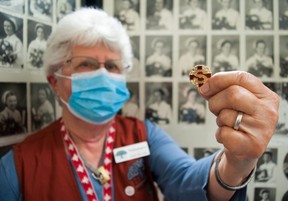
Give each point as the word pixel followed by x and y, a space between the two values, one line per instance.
pixel 260 49
pixel 258 3
pixel 100 52
pixel 42 95
pixel 40 33
pixel 157 96
pixel 192 96
pixel 11 102
pixel 193 3
pixel 226 48
pixel 193 46
pixel 225 3
pixel 8 28
pixel 159 47
pixel 126 4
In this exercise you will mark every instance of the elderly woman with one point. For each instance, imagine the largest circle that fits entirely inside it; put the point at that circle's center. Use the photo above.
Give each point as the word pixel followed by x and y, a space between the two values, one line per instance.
pixel 72 159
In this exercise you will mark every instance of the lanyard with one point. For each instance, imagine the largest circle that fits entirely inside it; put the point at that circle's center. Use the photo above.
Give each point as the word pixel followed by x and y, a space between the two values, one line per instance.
pixel 81 170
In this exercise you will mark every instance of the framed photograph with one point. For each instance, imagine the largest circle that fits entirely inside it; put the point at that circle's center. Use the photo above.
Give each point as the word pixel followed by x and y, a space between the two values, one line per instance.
pixel 41 10
pixel 11 42
pixel 283 49
pixel 64 7
pixel 128 12
pixel 37 40
pixel 158 56
pixel 266 167
pixel 283 14
pixel 13 109
pixel 131 107
pixel 225 15
pixel 159 15
pixel 265 194
pixel 42 105
pixel 193 14
pixel 17 6
pixel 260 55
pixel 135 72
pixel 225 53
pixel 259 14
pixel 192 107
pixel 192 52
pixel 158 102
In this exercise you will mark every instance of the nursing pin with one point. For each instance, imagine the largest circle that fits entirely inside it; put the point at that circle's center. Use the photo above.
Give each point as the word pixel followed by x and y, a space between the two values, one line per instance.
pixel 102 175
pixel 199 75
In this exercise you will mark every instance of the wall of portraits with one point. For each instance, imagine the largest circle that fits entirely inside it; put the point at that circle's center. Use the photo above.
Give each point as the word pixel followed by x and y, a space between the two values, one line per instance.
pixel 27 102
pixel 169 37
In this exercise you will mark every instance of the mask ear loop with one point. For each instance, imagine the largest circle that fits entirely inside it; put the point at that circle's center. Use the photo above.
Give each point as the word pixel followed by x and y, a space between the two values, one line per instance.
pixel 61 75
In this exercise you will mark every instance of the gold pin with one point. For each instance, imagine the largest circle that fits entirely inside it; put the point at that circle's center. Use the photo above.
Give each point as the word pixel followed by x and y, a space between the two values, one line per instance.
pixel 102 175
pixel 199 75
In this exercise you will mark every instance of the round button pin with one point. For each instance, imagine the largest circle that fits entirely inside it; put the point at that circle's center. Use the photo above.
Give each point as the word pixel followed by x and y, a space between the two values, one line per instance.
pixel 129 190
pixel 199 75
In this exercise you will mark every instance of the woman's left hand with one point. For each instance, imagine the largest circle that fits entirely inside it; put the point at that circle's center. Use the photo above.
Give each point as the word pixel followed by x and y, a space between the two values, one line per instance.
pixel 229 93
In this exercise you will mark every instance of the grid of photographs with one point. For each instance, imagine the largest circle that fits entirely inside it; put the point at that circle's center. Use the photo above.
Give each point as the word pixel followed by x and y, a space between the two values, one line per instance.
pixel 169 37
pixel 27 102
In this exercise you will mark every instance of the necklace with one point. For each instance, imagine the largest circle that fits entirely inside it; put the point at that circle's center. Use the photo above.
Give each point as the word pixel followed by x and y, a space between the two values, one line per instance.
pixel 99 174
pixel 103 173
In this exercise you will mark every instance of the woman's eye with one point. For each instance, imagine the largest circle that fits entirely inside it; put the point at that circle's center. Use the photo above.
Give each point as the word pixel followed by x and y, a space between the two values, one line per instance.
pixel 87 65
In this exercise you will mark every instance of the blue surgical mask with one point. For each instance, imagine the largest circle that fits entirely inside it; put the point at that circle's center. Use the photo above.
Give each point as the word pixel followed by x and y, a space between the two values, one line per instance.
pixel 96 96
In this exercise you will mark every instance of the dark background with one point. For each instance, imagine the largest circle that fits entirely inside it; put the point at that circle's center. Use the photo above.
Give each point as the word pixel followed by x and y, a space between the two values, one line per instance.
pixel 93 3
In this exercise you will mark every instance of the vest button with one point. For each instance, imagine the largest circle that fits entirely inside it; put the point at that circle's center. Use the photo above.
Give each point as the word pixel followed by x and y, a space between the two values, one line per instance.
pixel 129 190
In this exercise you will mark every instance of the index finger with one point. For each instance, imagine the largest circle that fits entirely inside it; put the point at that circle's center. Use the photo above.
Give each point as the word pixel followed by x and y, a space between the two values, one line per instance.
pixel 223 80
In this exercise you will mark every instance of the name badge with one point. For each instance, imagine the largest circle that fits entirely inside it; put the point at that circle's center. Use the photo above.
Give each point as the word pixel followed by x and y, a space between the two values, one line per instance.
pixel 131 152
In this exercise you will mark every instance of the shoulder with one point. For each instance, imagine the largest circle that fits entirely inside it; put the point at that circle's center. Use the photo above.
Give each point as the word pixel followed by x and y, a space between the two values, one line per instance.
pixel 37 140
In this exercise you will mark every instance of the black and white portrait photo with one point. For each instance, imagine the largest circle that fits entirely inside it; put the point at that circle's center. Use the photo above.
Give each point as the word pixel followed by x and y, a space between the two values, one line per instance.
pixel 42 105
pixel 158 56
pixel 282 91
pixel 158 102
pixel 283 45
pixel 285 166
pixel 37 40
pixel 11 41
pixel 64 7
pixel 134 73
pixel 259 15
pixel 193 14
pixel 285 196
pixel 283 14
pixel 13 109
pixel 192 51
pixel 225 53
pixel 159 15
pixel 41 9
pixel 13 6
pixel 260 55
pixel 225 15
pixel 265 194
pixel 131 106
pixel 192 107
pixel 204 152
pixel 266 167
pixel 127 11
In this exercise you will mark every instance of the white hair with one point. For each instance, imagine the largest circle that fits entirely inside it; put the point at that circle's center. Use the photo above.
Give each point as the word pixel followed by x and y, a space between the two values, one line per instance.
pixel 86 27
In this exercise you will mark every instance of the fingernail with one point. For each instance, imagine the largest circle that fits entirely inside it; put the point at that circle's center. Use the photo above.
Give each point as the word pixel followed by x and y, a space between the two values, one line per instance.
pixel 204 88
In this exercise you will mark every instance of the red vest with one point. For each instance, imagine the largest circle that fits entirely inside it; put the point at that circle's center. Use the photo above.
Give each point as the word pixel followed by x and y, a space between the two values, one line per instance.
pixel 45 173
